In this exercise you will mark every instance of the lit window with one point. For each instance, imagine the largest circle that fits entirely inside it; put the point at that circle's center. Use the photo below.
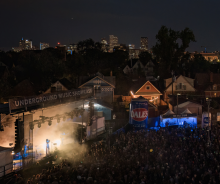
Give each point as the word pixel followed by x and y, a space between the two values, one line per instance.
pixel 215 94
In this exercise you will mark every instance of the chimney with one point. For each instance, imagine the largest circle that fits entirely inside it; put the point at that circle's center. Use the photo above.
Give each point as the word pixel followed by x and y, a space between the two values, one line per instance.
pixel 184 73
pixel 111 73
pixel 211 77
pixel 189 74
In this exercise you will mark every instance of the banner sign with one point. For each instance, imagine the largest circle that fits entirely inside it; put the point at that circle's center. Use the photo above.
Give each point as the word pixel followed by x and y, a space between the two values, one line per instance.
pixel 179 115
pixel 49 98
pixel 139 113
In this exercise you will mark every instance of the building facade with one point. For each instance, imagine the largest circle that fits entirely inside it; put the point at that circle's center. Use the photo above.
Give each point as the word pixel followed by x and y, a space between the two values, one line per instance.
pixel 144 44
pixel 113 42
pixel 44 45
pixel 148 91
pixel 102 88
pixel 181 84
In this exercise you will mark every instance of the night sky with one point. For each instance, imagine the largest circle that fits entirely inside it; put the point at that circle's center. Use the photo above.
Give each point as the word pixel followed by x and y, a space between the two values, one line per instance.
pixel 69 21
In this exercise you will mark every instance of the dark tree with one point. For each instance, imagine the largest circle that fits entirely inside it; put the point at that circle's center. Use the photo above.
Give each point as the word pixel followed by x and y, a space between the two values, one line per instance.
pixel 170 48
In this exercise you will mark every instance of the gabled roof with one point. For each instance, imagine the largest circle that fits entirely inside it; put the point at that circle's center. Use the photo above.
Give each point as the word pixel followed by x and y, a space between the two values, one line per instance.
pixel 24 88
pixel 65 82
pixel 149 64
pixel 148 82
pixel 138 62
pixel 98 78
pixel 177 79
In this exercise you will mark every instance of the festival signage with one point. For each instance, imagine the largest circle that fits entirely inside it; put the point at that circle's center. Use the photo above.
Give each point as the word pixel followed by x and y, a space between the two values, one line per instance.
pixel 49 98
pixel 139 112
pixel 179 115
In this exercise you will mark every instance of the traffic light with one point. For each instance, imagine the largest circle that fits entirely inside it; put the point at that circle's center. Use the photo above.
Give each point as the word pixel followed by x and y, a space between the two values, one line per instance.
pixel 19 135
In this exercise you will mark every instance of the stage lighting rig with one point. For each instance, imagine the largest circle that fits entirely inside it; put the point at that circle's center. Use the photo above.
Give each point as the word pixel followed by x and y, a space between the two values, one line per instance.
pixel 57 117
pixel 50 121
pixel 39 125
pixel 42 118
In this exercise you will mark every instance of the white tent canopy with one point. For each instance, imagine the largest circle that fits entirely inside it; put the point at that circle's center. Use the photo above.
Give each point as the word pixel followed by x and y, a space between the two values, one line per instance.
pixel 169 112
pixel 187 111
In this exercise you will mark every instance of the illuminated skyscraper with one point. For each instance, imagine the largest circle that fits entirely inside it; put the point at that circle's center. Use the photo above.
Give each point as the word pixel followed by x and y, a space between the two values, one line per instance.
pixel 131 46
pixel 44 46
pixel 105 45
pixel 144 44
pixel 25 44
pixel 113 42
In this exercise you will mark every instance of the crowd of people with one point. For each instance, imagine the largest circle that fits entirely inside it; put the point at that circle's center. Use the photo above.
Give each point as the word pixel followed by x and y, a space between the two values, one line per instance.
pixel 166 156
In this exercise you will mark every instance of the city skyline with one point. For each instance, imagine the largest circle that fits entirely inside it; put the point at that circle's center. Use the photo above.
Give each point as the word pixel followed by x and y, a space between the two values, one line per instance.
pixel 71 22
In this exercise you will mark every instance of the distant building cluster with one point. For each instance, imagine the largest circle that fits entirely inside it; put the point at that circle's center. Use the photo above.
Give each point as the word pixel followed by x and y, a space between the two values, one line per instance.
pixel 26 44
pixel 110 46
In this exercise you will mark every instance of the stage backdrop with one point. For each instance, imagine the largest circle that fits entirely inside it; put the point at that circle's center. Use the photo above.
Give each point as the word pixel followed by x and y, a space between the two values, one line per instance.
pixel 138 112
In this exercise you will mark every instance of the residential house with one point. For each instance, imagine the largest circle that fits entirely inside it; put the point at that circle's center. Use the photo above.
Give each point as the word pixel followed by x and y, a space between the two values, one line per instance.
pixel 208 84
pixel 103 87
pixel 148 91
pixel 182 85
pixel 60 85
pixel 149 68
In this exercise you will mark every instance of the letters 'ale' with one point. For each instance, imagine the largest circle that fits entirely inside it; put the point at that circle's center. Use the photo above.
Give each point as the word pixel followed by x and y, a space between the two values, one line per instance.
pixel 139 114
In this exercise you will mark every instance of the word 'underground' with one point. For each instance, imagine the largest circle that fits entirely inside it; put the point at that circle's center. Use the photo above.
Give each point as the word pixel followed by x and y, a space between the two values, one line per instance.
pixel 45 98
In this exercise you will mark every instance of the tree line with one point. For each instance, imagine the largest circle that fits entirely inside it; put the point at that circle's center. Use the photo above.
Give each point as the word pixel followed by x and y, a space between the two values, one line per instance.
pixel 46 66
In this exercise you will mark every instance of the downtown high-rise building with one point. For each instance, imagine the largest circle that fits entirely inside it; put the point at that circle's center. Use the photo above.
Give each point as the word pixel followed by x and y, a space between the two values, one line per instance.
pixel 44 45
pixel 25 44
pixel 105 45
pixel 131 46
pixel 144 44
pixel 113 42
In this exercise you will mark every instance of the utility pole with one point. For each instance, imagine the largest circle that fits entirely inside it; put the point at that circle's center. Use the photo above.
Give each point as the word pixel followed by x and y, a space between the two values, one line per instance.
pixel 82 111
pixel 172 72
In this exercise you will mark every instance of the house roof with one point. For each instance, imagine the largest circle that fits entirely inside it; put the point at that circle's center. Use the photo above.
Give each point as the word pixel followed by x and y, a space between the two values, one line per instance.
pixel 148 82
pixel 149 64
pixel 137 84
pixel 203 80
pixel 186 78
pixel 24 88
pixel 65 82
pixel 99 78
pixel 3 69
